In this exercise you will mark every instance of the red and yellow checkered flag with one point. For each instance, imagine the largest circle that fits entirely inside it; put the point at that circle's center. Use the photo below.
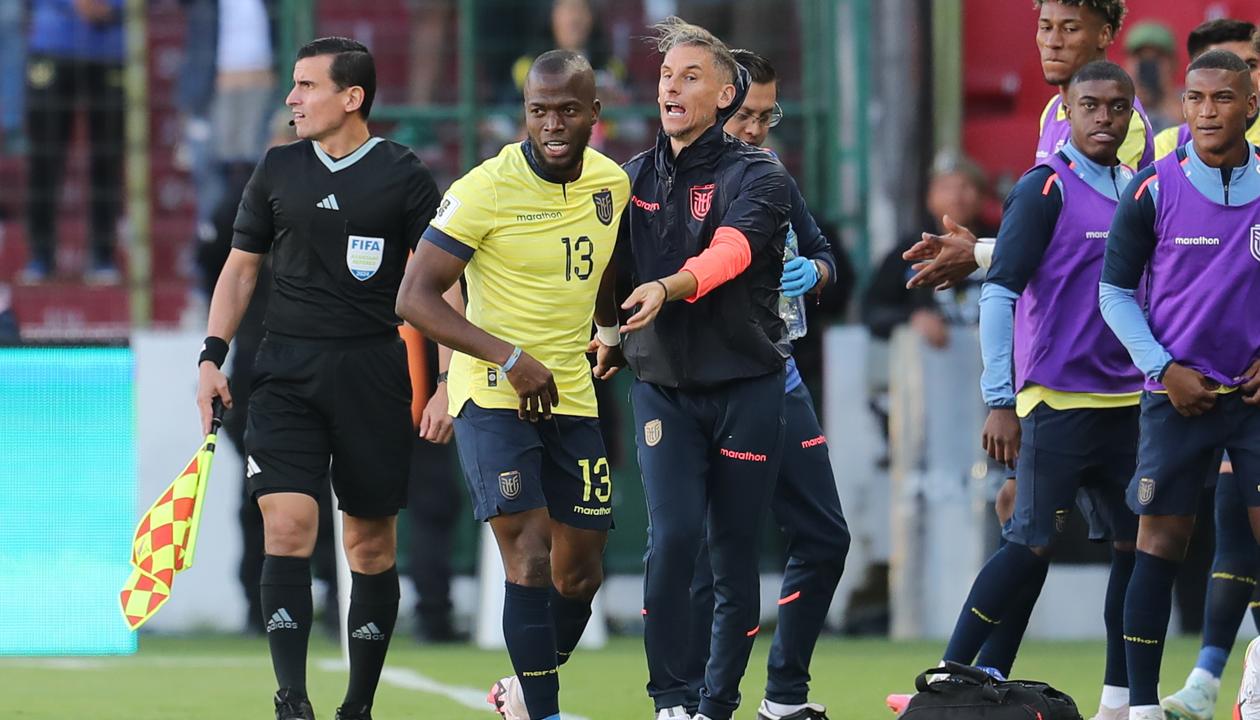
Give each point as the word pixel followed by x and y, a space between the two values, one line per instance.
pixel 166 537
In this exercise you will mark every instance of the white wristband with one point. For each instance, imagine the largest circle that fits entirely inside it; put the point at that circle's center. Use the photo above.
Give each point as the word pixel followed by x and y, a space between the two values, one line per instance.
pixel 984 252
pixel 608 336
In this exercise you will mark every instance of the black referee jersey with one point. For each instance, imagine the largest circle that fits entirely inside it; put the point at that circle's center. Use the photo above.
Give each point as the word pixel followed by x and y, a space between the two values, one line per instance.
pixel 339 231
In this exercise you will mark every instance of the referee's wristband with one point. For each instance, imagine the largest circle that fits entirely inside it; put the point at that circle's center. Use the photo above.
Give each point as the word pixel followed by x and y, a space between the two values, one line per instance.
pixel 214 349
pixel 608 336
pixel 511 361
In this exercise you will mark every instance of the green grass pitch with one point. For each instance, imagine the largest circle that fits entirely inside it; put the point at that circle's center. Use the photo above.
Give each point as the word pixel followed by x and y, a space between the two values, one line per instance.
pixel 219 677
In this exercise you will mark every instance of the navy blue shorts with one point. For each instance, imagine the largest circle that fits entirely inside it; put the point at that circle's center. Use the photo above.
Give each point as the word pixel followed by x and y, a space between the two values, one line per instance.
pixel 513 465
pixel 1083 457
pixel 1179 453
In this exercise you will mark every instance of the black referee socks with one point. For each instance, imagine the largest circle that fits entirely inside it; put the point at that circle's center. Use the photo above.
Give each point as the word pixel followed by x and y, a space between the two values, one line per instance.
pixel 286 606
pixel 373 611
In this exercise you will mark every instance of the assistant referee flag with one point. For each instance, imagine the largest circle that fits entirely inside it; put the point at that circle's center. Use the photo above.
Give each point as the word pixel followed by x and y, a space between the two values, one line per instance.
pixel 166 537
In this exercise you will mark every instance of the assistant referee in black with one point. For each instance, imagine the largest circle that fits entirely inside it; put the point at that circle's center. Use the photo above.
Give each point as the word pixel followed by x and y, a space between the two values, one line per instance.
pixel 338 211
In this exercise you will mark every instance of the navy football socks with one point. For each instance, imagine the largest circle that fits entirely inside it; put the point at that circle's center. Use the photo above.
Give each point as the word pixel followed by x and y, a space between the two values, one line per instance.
pixel 1116 672
pixel 991 599
pixel 570 616
pixel 531 644
pixel 1147 607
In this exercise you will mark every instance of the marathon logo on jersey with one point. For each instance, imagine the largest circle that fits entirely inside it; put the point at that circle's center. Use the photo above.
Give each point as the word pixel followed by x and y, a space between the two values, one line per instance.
pixel 652 432
pixel 1255 242
pixel 814 442
pixel 644 205
pixel 603 205
pixel 492 377
pixel 701 200
pixel 1060 520
pixel 363 255
pixel 445 211
pixel 1146 490
pixel 510 484
pixel 742 455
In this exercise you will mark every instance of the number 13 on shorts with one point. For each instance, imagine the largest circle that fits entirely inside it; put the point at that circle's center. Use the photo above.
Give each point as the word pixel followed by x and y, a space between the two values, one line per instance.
pixel 596 473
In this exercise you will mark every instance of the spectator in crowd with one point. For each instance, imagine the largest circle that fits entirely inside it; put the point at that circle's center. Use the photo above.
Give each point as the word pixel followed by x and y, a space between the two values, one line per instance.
pixel 76 63
pixel 194 94
pixel 1152 63
pixel 8 320
pixel 12 67
pixel 244 93
pixel 955 195
pixel 432 24
pixel 575 26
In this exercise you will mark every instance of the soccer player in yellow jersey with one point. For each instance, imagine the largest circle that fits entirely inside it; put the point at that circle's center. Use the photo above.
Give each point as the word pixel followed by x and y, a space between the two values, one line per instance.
pixel 532 230
pixel 1236 36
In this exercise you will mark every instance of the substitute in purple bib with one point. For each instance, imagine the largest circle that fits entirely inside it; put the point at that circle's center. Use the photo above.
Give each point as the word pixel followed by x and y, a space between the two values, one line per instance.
pixel 1192 223
pixel 1068 422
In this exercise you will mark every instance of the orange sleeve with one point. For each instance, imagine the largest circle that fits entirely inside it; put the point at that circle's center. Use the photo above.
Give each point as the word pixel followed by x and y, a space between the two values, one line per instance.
pixel 727 256
pixel 418 368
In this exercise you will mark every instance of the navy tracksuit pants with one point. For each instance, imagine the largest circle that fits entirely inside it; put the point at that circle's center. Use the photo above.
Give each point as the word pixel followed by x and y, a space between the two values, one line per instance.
pixel 807 508
pixel 709 460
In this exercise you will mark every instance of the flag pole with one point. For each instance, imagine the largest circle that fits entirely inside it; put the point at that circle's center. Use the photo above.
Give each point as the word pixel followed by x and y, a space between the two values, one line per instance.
pixel 343 584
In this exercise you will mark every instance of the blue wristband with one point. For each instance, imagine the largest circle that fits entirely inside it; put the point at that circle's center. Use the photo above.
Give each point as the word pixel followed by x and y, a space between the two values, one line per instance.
pixel 511 361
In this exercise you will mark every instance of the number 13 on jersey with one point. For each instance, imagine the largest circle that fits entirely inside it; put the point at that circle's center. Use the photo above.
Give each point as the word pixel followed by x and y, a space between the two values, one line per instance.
pixel 593 474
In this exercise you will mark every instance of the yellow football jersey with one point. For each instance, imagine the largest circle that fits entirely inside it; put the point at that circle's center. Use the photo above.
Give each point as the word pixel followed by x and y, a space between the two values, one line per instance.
pixel 1166 139
pixel 539 252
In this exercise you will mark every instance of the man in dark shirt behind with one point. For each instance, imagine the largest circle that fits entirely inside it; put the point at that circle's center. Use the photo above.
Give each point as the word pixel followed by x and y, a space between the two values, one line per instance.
pixel 338 211
pixel 706 224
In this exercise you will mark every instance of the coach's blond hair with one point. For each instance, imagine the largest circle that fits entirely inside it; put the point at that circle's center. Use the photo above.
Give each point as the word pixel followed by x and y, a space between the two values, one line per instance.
pixel 674 32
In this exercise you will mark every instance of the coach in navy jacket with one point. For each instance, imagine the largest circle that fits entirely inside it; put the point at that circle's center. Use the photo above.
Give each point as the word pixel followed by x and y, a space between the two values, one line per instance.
pixel 703 240
pixel 677 206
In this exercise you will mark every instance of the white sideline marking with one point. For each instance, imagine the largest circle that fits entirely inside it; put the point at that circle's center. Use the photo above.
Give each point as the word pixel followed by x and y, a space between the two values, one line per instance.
pixel 70 663
pixel 412 680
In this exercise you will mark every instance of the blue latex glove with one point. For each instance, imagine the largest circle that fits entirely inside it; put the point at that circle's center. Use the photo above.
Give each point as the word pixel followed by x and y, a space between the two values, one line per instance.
pixel 800 275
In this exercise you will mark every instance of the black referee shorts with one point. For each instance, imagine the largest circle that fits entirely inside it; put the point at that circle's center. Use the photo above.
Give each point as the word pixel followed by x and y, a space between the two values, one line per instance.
pixel 344 400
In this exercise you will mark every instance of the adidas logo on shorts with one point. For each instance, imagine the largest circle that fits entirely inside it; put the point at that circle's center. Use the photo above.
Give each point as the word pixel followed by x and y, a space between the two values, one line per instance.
pixel 368 632
pixel 281 620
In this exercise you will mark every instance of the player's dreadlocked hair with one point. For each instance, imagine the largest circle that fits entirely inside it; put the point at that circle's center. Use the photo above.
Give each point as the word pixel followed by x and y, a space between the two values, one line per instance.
pixel 1111 11
pixel 673 32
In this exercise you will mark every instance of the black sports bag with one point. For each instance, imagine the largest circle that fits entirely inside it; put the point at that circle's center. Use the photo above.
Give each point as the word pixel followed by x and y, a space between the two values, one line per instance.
pixel 967 693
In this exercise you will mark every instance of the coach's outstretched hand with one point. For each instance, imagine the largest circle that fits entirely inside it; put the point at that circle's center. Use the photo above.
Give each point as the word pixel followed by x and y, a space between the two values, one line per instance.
pixel 608 359
pixel 1190 393
pixel 535 387
pixel 1000 437
pixel 943 261
pixel 650 297
pixel 211 383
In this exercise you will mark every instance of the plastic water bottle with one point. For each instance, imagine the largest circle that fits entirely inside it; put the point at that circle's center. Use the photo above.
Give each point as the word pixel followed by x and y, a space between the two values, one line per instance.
pixel 792 310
